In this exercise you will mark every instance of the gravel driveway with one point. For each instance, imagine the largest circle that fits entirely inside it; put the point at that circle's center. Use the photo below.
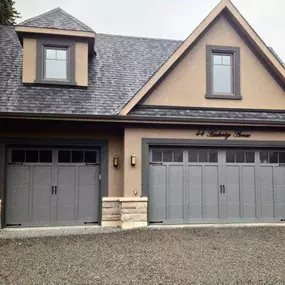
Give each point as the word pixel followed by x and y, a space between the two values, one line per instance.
pixel 149 256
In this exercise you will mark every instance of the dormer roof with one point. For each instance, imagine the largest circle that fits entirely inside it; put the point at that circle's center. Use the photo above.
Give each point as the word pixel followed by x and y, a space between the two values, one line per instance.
pixel 56 19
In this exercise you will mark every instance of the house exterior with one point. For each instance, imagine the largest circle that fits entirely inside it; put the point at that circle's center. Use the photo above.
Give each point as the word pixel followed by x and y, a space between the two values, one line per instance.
pixel 125 132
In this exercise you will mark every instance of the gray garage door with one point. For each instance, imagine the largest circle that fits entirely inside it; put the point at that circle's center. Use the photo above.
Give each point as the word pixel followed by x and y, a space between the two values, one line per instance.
pixel 209 185
pixel 52 187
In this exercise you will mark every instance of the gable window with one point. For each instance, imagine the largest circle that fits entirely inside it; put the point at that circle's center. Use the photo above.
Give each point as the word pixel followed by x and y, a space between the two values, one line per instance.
pixel 56 62
pixel 223 72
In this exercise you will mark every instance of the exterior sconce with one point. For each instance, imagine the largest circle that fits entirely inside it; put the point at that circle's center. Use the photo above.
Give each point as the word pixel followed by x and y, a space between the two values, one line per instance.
pixel 115 161
pixel 133 160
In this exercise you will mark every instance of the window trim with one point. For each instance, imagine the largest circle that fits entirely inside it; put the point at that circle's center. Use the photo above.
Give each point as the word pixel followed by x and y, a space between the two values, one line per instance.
pixel 42 44
pixel 235 52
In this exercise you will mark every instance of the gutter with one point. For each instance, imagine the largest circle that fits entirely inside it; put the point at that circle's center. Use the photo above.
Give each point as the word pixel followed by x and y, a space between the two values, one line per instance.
pixel 137 119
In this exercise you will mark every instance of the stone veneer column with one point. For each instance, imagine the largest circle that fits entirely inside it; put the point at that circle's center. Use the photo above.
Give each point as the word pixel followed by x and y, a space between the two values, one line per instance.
pixel 111 216
pixel 133 212
pixel 124 212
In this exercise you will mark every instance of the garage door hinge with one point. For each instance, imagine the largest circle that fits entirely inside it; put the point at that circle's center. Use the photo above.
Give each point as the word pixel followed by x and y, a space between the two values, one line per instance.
pixel 100 176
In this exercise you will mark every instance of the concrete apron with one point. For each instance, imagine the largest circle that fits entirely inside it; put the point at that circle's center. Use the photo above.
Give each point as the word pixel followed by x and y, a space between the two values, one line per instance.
pixel 9 233
pixel 233 225
pixel 14 233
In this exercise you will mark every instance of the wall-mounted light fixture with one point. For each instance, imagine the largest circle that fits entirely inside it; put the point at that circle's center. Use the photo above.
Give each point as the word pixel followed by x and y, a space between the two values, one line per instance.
pixel 133 160
pixel 115 161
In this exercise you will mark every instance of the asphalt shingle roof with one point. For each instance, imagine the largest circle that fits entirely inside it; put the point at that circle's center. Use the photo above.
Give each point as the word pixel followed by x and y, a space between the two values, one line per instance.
pixel 195 114
pixel 56 19
pixel 120 68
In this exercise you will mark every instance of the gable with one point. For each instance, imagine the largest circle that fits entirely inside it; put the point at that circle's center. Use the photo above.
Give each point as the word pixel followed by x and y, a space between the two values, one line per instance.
pixel 185 84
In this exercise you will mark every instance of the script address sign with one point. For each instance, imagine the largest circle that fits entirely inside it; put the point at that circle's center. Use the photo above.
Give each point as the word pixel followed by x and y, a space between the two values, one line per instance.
pixel 222 134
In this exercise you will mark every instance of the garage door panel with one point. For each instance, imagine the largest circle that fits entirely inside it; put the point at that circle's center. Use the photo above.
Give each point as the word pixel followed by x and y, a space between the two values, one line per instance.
pixel 266 191
pixel 248 196
pixel 18 185
pixel 157 193
pixel 41 191
pixel 232 192
pixel 210 174
pixel 280 191
pixel 88 194
pixel 175 194
pixel 66 193
pixel 195 178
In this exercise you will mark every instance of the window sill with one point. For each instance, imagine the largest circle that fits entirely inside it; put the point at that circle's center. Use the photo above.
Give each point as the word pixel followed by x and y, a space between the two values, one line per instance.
pixel 55 82
pixel 221 96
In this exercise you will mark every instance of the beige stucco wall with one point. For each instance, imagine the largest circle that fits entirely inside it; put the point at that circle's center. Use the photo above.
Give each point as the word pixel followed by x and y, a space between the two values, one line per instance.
pixel 29 60
pixel 30 56
pixel 186 84
pixel 115 147
pixel 133 145
pixel 81 64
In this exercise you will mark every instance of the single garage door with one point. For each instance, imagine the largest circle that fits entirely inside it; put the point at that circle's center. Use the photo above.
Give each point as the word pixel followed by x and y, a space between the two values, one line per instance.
pixel 52 187
pixel 212 185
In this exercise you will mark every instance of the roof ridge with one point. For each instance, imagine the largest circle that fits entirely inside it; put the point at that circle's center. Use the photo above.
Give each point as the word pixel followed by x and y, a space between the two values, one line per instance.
pixel 139 37
pixel 37 17
pixel 62 13
pixel 74 19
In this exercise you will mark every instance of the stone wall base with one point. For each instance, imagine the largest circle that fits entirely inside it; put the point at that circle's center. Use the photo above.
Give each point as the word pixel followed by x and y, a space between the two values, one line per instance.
pixel 124 212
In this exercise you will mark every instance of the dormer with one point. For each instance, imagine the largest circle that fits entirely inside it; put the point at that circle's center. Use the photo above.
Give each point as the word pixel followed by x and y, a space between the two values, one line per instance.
pixel 56 49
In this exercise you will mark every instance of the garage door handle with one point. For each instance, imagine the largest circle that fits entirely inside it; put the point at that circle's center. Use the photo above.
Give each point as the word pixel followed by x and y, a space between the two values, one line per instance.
pixel 221 188
pixel 55 190
pixel 224 189
pixel 52 190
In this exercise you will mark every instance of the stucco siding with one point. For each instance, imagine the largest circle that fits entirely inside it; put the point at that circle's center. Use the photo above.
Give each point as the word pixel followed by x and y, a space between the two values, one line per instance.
pixel 185 85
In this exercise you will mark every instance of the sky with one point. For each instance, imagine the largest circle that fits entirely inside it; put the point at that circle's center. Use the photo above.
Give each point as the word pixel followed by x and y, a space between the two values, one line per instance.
pixel 169 19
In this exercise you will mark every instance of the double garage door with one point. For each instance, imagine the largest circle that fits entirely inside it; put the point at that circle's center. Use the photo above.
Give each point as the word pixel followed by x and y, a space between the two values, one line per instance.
pixel 52 187
pixel 212 185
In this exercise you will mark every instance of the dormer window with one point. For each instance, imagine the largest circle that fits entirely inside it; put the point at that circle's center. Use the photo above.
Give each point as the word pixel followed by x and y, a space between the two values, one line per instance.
pixel 223 72
pixel 56 62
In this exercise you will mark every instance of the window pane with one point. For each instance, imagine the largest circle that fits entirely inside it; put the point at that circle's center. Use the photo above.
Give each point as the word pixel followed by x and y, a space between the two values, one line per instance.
pixel 217 59
pixel 90 156
pixel 249 157
pixel 273 157
pixel 222 79
pixel 178 155
pixel 156 155
pixel 77 156
pixel 50 53
pixel 203 156
pixel 240 157
pixel 213 156
pixel 45 156
pixel 281 157
pixel 167 156
pixel 227 59
pixel 18 156
pixel 61 54
pixel 55 69
pixel 264 157
pixel 230 156
pixel 193 156
pixel 64 156
pixel 32 156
